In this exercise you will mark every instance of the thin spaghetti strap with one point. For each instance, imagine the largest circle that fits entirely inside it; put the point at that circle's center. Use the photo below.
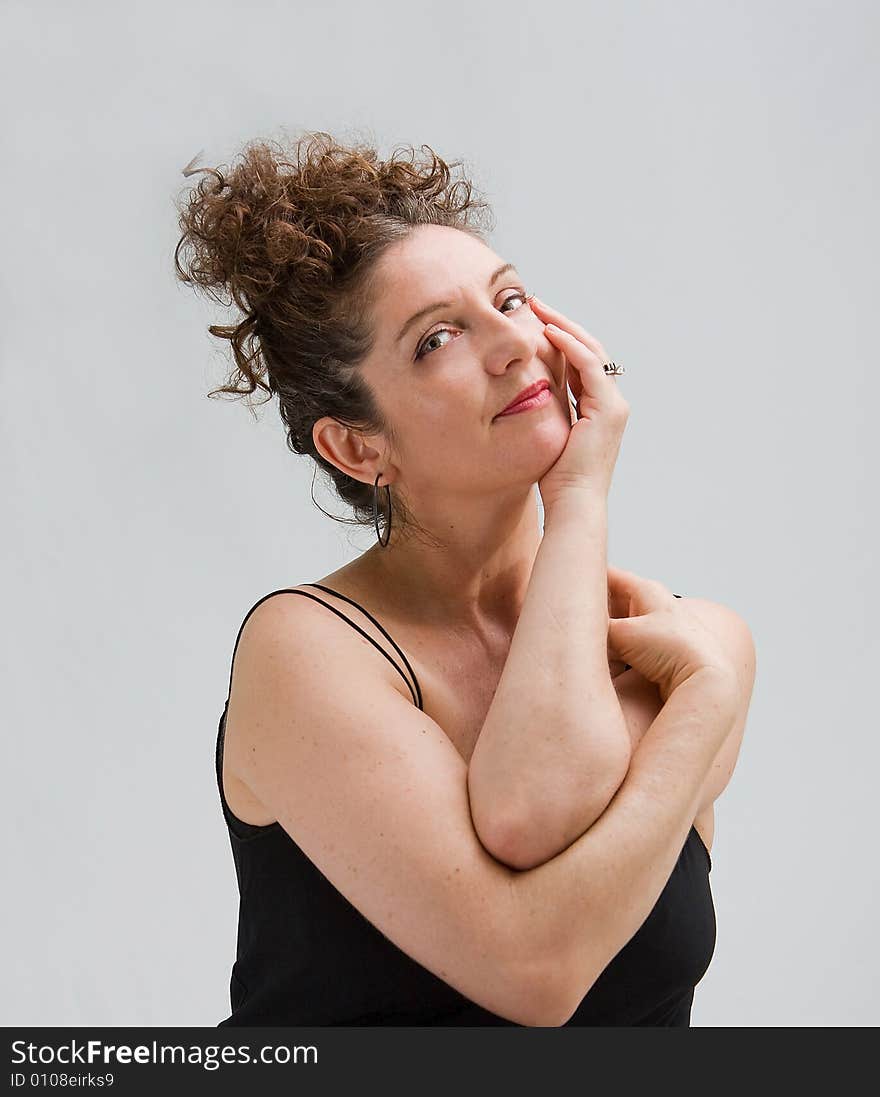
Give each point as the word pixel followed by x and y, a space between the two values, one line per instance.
pixel 417 693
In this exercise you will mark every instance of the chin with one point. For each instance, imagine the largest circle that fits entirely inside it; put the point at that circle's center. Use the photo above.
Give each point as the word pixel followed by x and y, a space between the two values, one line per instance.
pixel 535 452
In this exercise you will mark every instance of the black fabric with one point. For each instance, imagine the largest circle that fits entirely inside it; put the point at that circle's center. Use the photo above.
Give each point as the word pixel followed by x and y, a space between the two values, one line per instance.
pixel 306 956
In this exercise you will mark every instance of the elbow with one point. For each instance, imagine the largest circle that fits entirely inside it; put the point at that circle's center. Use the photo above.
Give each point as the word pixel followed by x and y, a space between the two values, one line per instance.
pixel 533 838
pixel 524 839
pixel 526 845
pixel 504 842
pixel 498 831
pixel 537 824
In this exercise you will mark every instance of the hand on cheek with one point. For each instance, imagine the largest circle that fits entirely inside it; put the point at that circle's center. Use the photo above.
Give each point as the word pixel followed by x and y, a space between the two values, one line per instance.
pixel 557 366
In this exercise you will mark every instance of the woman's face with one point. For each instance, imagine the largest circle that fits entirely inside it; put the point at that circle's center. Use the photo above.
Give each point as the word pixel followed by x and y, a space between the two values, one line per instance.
pixel 442 376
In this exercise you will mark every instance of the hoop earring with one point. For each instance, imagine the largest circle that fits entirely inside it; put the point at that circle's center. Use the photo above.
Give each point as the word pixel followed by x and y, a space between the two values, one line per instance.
pixel 376 511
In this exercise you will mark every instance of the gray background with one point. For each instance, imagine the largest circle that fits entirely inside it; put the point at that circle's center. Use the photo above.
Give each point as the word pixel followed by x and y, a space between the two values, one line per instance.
pixel 694 182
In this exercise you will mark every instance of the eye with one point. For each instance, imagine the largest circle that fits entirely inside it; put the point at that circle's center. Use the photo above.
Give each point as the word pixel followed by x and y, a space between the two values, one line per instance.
pixel 421 351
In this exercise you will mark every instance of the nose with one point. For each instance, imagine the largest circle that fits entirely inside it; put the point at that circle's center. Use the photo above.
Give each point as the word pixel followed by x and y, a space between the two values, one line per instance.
pixel 513 339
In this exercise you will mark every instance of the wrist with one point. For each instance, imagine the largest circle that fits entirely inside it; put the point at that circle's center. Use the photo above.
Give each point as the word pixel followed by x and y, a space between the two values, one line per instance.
pixel 574 502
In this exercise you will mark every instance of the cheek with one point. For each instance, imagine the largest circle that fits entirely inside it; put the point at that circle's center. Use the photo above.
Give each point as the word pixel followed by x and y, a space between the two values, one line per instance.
pixel 433 424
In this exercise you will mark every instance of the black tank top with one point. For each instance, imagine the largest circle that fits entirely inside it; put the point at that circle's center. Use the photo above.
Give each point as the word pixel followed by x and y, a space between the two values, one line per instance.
pixel 307 956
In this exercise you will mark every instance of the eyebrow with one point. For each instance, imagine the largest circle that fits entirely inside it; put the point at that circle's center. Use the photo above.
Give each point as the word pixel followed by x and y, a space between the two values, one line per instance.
pixel 503 269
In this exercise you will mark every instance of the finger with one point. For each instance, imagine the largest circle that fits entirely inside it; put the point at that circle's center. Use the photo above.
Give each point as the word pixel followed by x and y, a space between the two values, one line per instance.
pixel 621 590
pixel 629 580
pixel 618 603
pixel 584 360
pixel 554 316
pixel 644 594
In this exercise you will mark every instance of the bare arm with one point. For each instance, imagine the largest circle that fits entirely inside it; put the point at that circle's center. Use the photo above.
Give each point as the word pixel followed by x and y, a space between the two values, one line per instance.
pixel 643 702
pixel 583 905
pixel 554 746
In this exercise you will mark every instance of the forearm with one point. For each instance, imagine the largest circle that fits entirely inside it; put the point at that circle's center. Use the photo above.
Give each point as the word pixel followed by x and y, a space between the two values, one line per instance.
pixel 554 746
pixel 580 908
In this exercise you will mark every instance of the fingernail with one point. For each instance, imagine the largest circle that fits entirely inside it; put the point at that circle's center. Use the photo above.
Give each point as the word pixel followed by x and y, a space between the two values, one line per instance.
pixel 553 327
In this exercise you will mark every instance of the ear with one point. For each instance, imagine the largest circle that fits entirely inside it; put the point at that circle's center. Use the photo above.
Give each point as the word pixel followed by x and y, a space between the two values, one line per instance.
pixel 360 456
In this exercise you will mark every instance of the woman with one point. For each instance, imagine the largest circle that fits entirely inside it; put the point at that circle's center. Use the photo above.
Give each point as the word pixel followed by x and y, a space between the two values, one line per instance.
pixel 468 777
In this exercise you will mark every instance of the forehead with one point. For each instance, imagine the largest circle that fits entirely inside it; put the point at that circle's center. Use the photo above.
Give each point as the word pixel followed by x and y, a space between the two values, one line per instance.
pixel 433 262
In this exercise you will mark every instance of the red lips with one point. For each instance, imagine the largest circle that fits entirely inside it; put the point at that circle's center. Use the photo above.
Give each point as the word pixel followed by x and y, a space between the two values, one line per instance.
pixel 531 390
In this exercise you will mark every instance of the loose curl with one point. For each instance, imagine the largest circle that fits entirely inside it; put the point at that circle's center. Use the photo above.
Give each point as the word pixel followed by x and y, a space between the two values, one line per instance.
pixel 292 236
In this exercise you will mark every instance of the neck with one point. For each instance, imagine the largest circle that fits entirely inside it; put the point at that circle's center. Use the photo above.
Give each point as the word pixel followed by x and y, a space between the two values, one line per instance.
pixel 476 575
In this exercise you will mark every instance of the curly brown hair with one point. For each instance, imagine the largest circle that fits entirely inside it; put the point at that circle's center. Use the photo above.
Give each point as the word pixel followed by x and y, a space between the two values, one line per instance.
pixel 292 236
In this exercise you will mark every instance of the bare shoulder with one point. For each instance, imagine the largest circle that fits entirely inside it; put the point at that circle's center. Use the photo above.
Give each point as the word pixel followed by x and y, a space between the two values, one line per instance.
pixel 291 631
pixel 304 622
